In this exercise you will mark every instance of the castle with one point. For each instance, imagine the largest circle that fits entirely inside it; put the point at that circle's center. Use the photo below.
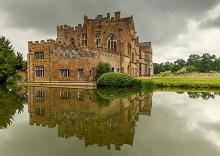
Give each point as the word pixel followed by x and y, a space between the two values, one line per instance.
pixel 73 56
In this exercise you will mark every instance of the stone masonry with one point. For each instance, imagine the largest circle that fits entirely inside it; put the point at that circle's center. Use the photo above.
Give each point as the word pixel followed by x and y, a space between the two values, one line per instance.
pixel 73 56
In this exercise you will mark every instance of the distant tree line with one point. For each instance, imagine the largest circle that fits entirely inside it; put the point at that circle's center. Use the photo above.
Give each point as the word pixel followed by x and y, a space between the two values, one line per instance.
pixel 203 63
pixel 10 61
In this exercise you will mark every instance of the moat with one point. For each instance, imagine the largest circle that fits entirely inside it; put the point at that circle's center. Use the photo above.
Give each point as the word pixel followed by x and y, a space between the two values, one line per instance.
pixel 64 121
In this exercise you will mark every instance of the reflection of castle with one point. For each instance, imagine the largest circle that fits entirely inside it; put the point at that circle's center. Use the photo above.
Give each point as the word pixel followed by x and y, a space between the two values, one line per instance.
pixel 78 112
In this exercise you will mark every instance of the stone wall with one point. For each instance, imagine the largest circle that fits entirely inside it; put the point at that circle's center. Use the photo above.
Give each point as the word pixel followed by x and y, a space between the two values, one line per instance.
pixel 125 59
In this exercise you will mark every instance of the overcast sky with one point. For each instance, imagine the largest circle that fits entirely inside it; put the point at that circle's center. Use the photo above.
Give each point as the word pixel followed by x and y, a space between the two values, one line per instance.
pixel 177 28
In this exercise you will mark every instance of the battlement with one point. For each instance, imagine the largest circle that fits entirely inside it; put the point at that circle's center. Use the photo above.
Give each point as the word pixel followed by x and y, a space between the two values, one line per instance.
pixel 63 27
pixel 48 41
pixel 145 44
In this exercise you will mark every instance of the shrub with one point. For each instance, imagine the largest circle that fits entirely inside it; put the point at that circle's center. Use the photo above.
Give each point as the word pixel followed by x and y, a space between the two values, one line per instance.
pixel 102 68
pixel 117 80
pixel 147 85
pixel 190 68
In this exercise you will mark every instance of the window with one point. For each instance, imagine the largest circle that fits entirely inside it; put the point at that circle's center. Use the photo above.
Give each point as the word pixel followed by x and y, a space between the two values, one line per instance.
pixel 145 56
pixel 98 39
pixel 39 55
pixel 84 40
pixel 40 111
pixel 64 94
pixel 39 71
pixel 129 49
pixel 140 69
pixel 132 57
pixel 112 44
pixel 39 95
pixel 79 73
pixel 72 42
pixel 128 69
pixel 64 72
pixel 145 69
pixel 112 69
pixel 80 96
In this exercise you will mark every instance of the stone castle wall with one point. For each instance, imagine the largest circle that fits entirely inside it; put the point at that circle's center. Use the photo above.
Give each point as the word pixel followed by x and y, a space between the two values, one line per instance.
pixel 68 51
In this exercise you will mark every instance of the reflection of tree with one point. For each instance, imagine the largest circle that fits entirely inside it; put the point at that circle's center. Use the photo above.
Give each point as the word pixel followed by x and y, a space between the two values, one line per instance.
pixel 10 102
pixel 203 95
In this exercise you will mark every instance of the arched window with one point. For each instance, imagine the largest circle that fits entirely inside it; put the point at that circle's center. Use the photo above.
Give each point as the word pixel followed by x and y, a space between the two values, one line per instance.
pixel 72 42
pixel 112 43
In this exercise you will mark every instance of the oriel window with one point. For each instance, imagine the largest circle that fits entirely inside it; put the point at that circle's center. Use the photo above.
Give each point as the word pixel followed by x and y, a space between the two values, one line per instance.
pixel 64 72
pixel 98 39
pixel 84 40
pixel 39 71
pixel 39 55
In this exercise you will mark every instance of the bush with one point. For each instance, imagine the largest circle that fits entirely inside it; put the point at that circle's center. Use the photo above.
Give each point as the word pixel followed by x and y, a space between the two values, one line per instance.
pixel 190 68
pixel 102 68
pixel 117 80
pixel 147 85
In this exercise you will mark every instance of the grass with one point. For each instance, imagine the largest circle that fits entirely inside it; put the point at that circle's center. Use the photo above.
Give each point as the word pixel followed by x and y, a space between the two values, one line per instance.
pixel 185 82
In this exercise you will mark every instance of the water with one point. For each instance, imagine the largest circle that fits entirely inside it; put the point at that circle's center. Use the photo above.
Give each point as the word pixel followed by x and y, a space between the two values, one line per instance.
pixel 64 121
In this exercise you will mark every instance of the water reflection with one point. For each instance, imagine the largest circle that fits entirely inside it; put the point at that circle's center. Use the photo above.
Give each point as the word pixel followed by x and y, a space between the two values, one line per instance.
pixel 203 95
pixel 101 117
pixel 11 101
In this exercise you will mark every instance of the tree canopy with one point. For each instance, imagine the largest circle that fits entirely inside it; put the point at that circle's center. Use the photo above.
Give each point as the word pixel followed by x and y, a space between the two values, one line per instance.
pixel 203 63
pixel 10 61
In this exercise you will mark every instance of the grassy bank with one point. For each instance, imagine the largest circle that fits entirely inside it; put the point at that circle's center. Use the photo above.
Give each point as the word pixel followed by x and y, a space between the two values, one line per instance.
pixel 117 80
pixel 185 82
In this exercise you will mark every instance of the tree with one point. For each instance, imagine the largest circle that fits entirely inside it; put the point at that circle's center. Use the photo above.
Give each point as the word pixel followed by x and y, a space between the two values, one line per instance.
pixel 216 64
pixel 102 68
pixel 10 62
pixel 206 63
pixel 194 60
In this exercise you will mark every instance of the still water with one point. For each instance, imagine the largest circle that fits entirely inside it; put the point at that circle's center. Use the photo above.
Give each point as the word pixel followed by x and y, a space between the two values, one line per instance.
pixel 67 122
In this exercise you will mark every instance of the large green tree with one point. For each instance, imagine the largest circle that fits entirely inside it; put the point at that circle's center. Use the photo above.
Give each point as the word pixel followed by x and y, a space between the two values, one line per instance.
pixel 10 61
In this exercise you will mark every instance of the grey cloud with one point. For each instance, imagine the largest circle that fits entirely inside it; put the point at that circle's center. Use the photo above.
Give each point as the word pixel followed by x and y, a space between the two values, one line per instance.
pixel 156 20
pixel 211 23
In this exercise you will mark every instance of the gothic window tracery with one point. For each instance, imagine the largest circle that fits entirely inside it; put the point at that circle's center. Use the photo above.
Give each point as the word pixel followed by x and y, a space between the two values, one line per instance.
pixel 112 43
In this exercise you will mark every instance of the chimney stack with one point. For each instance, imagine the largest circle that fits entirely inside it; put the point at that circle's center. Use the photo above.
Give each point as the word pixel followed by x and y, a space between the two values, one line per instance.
pixel 108 15
pixel 117 15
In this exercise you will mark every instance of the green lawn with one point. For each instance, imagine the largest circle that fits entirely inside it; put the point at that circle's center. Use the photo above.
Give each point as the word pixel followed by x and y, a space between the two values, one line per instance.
pixel 185 82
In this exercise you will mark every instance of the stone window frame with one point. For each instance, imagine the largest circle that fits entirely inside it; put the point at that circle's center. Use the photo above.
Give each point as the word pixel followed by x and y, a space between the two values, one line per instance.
pixel 98 39
pixel 64 94
pixel 84 40
pixel 39 95
pixel 129 49
pixel 39 55
pixel 64 73
pixel 39 71
pixel 112 43
pixel 39 111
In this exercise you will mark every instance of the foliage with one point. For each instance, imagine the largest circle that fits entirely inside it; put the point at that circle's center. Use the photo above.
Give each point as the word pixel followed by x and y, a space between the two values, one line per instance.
pixel 10 102
pixel 10 62
pixel 190 68
pixel 117 80
pixel 120 93
pixel 203 63
pixel 102 68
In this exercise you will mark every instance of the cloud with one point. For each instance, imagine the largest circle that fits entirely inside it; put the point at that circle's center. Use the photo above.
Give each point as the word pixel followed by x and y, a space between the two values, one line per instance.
pixel 158 21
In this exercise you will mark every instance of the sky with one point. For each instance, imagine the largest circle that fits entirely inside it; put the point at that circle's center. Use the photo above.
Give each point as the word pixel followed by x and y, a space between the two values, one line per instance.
pixel 176 28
